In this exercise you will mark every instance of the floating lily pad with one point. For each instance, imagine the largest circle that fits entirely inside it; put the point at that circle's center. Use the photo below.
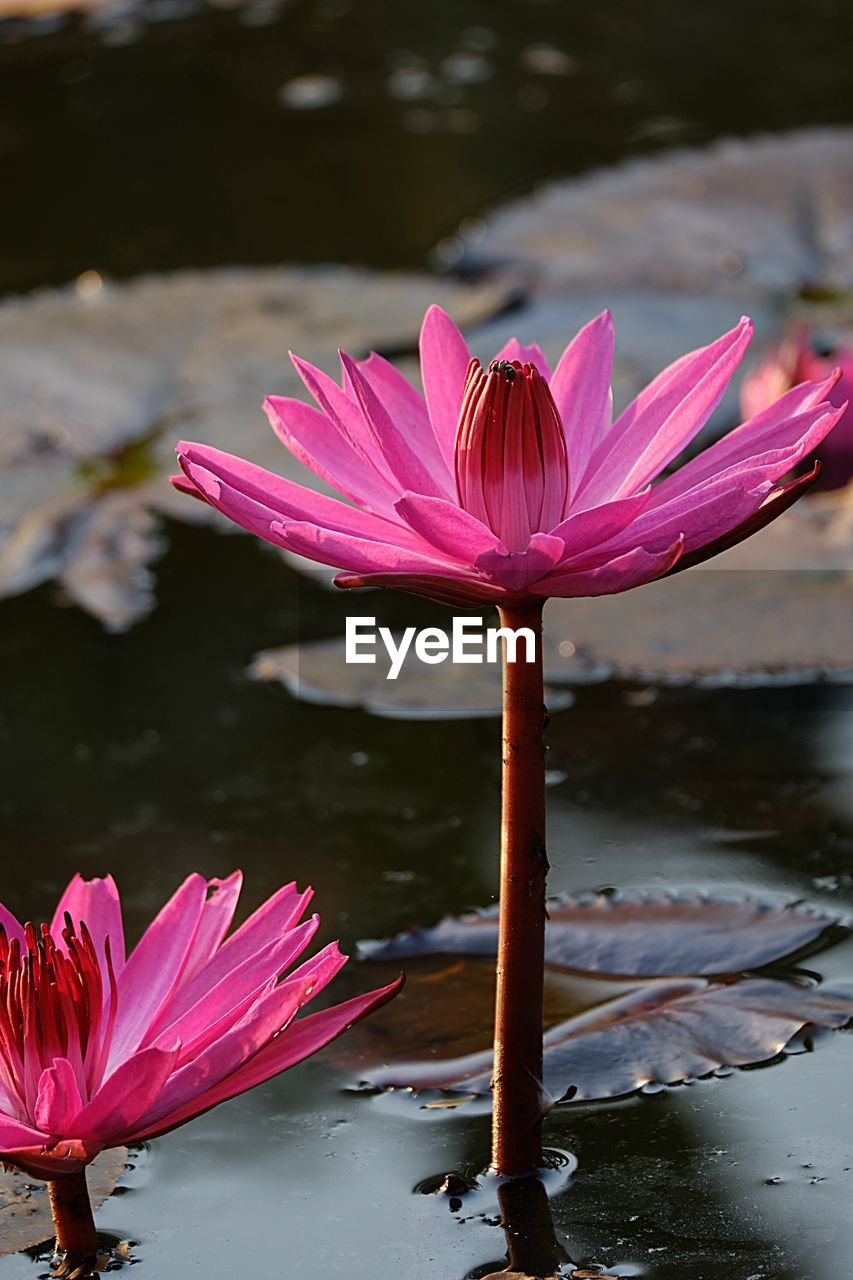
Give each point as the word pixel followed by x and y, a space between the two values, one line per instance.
pixel 635 937
pixel 766 214
pixel 98 382
pixel 317 671
pixel 25 1217
pixel 663 1034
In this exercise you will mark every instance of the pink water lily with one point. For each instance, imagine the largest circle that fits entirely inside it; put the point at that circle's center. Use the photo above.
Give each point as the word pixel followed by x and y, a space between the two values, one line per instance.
pixel 803 355
pixel 508 482
pixel 98 1051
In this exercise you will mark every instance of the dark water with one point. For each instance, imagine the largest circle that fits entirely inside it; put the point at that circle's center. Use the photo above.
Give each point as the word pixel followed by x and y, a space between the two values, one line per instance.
pixel 160 141
pixel 150 753
pixel 154 144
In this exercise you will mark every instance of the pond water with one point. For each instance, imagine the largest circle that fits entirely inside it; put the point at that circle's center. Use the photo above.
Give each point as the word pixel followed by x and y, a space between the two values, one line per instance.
pixel 151 753
pixel 181 137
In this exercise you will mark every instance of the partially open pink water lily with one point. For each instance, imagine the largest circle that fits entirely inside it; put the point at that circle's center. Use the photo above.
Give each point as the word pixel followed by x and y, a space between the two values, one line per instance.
pixel 804 354
pixel 97 1051
pixel 510 482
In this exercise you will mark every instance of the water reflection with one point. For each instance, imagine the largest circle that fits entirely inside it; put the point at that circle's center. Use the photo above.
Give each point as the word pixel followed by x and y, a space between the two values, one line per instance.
pixel 533 1248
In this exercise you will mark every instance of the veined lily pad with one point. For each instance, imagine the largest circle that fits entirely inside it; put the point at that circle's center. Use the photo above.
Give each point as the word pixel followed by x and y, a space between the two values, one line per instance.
pixel 635 937
pixel 662 1034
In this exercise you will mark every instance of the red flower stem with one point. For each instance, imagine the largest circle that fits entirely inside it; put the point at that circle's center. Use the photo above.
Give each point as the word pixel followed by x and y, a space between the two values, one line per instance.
pixel 76 1237
pixel 517 1078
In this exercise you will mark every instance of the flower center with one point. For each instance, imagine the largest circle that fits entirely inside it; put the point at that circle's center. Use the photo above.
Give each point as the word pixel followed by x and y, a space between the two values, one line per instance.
pixel 56 1001
pixel 512 469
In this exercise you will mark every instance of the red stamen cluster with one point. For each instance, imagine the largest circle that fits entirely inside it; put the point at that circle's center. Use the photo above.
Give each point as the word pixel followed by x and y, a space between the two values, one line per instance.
pixel 53 1004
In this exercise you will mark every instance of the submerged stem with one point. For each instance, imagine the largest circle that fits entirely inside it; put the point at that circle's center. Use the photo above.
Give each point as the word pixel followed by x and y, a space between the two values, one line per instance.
pixel 76 1237
pixel 517 1080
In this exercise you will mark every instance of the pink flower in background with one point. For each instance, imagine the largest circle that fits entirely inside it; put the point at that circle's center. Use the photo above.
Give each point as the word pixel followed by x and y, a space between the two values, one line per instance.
pixel 96 1051
pixel 510 482
pixel 803 356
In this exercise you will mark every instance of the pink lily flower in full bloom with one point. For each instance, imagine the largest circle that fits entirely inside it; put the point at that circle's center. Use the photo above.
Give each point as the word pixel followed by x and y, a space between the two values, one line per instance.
pixel 97 1051
pixel 803 356
pixel 507 483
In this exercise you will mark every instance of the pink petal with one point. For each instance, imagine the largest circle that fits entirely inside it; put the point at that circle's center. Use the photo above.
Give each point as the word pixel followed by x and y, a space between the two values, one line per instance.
pixel 155 966
pixel 97 903
pixel 132 1089
pixel 301 1039
pixel 406 407
pixel 620 574
pixel 266 1019
pixel 468 590
pixel 358 555
pixel 581 390
pixel 663 420
pixel 532 353
pixel 520 569
pixel 450 530
pixel 14 1135
pixel 799 418
pixel 246 982
pixel 216 917
pixel 588 529
pixel 444 363
pixel 58 1099
pixel 320 443
pixel 259 941
pixel 347 416
pixel 255 498
pixel 408 462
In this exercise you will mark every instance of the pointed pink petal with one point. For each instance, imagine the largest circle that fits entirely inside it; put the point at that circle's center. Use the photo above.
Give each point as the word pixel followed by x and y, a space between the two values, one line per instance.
pixel 520 569
pixel 244 982
pixel 450 530
pixel 407 462
pixel 801 417
pixel 321 444
pixel 259 941
pixel 773 506
pixel 588 529
pixel 532 353
pixel 97 903
pixel 358 555
pixel 320 968
pixel 656 427
pixel 255 498
pixel 155 966
pixel 216 917
pixel 620 574
pixel 342 410
pixel 301 1039
pixel 444 364
pixel 58 1099
pixel 468 591
pixel 581 390
pixel 15 1135
pixel 406 407
pixel 132 1089
pixel 265 1020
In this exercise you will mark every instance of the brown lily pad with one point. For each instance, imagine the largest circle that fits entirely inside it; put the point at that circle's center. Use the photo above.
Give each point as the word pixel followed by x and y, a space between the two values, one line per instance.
pixel 99 381
pixel 25 1218
pixel 317 671
pixel 662 1034
pixel 635 937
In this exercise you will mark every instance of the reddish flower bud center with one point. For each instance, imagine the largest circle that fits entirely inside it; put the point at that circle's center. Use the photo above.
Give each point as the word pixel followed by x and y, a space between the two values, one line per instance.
pixel 53 1004
pixel 512 469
